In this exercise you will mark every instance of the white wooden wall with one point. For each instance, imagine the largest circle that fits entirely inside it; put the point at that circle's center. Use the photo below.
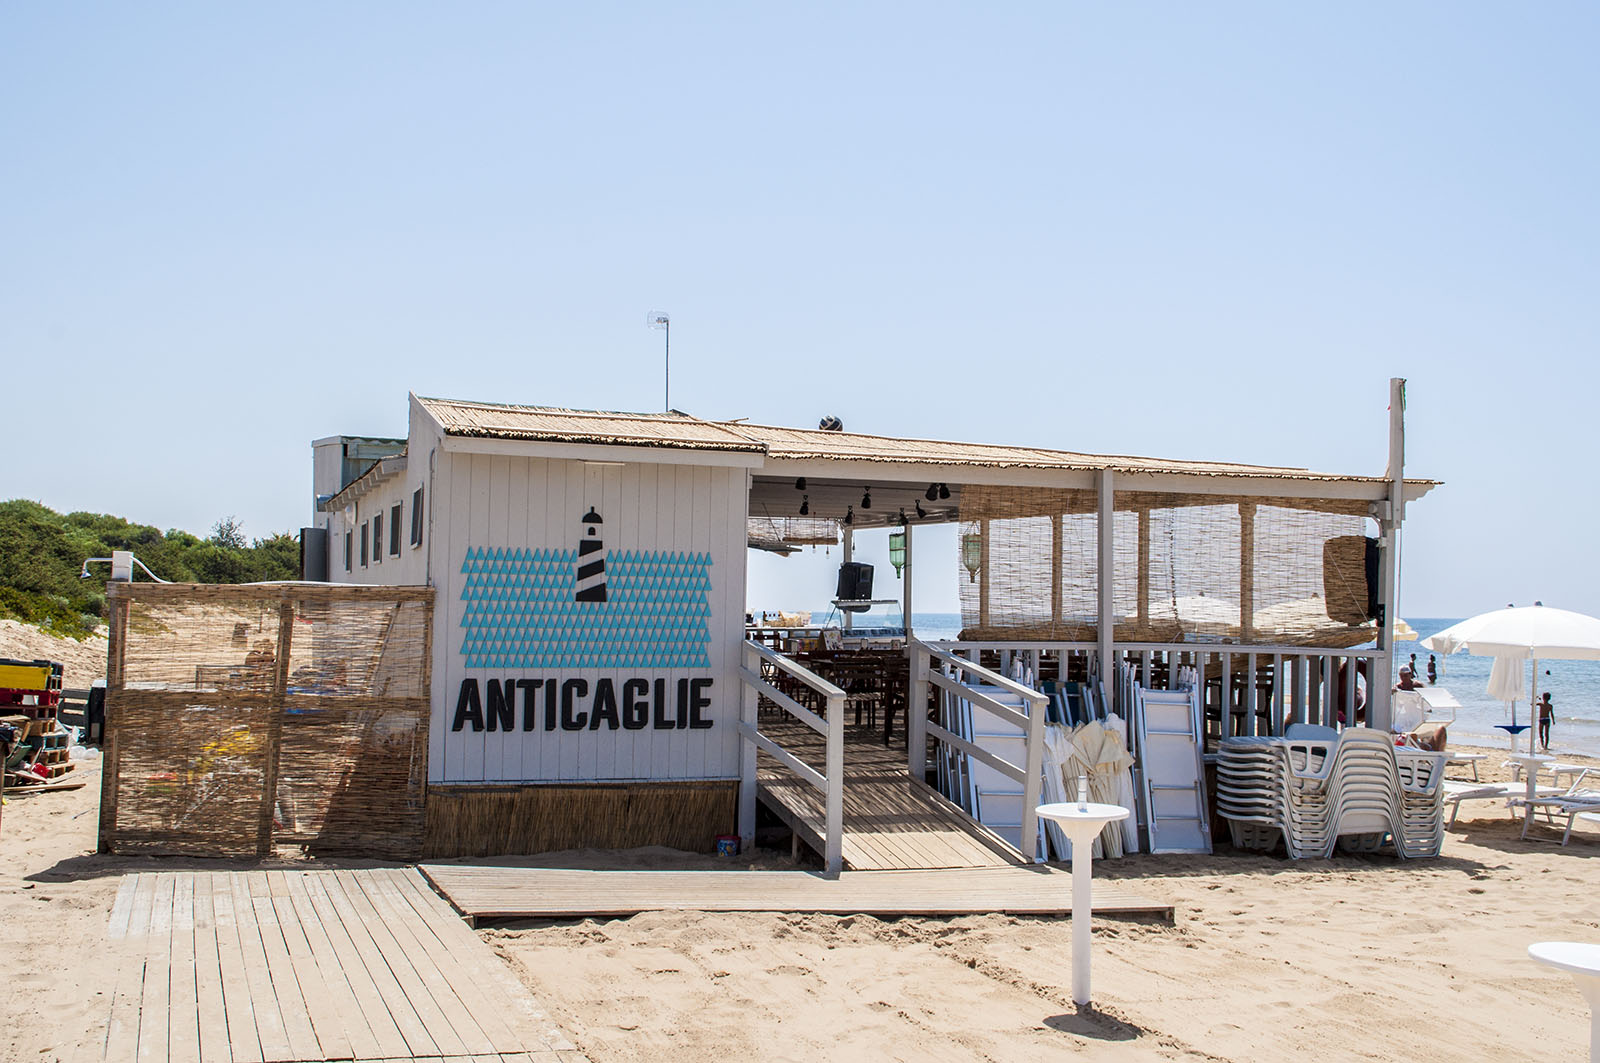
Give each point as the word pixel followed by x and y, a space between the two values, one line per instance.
pixel 499 501
pixel 410 567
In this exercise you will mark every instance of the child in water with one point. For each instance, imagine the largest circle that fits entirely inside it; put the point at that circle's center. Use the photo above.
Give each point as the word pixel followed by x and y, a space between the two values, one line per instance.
pixel 1547 716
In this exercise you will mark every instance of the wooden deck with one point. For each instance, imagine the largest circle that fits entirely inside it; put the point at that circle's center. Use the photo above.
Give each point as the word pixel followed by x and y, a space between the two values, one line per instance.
pixel 500 893
pixel 891 821
pixel 266 966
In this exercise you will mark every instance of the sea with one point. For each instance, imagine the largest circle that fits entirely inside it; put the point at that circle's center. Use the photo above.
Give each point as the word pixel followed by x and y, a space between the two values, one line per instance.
pixel 1574 685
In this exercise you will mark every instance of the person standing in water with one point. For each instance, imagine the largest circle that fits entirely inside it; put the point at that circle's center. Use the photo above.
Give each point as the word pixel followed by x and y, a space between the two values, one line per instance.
pixel 1547 716
pixel 1433 670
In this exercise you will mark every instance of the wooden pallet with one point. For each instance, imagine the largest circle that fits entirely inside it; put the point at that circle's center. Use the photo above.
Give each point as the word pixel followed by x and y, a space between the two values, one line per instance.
pixel 267 966
pixel 500 893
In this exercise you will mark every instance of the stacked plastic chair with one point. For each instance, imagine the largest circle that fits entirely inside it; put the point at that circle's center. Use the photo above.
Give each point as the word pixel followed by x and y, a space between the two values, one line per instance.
pixel 1421 802
pixel 1365 790
pixel 1319 792
pixel 1308 795
pixel 1250 791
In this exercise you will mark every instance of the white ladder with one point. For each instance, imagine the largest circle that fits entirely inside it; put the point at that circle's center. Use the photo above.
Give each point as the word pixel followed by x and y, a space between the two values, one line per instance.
pixel 1173 776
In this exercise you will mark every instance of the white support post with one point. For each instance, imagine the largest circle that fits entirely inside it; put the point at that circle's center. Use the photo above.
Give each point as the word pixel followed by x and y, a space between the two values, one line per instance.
pixel 1035 776
pixel 834 843
pixel 1106 529
pixel 905 591
pixel 1379 713
pixel 917 712
pixel 749 703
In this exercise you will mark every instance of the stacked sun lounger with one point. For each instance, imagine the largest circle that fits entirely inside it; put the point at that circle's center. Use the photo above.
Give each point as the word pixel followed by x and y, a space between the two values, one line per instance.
pixel 1354 791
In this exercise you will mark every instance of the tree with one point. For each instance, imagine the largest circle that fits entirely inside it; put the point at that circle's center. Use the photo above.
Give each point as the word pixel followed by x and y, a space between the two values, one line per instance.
pixel 228 533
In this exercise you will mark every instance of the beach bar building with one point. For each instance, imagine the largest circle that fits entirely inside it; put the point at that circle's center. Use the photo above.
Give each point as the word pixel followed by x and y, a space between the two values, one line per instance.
pixel 595 679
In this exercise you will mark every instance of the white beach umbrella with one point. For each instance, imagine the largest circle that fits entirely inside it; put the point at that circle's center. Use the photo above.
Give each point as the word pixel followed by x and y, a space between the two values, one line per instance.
pixel 1505 680
pixel 1513 635
pixel 1530 632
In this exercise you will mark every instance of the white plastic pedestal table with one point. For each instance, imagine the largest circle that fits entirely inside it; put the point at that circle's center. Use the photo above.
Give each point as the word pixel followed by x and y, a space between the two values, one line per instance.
pixel 1583 963
pixel 1531 763
pixel 1081 821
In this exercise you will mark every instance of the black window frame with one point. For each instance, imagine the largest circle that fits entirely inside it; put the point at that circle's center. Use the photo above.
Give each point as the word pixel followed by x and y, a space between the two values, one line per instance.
pixel 377 538
pixel 416 517
pixel 394 528
pixel 349 548
pixel 365 536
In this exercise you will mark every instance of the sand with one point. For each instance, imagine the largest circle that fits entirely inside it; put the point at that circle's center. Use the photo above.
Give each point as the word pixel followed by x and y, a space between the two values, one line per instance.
pixel 1354 958
pixel 82 662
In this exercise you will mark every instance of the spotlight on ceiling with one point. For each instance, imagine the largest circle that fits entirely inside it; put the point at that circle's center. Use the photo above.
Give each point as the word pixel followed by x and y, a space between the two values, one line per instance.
pixel 920 511
pixel 866 499
pixel 805 505
pixel 931 493
pixel 800 484
pixel 944 492
pixel 850 514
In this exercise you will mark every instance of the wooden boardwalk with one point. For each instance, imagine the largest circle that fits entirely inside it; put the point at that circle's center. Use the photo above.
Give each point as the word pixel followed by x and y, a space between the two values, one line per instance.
pixel 499 893
pixel 891 821
pixel 269 966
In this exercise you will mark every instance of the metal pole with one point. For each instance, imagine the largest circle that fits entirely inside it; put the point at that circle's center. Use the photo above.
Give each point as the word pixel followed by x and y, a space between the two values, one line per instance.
pixel 1082 912
pixel 1107 542
pixel 667 329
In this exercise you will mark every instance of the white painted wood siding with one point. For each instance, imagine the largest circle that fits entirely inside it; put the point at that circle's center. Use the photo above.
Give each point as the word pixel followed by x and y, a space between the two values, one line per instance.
pixel 498 501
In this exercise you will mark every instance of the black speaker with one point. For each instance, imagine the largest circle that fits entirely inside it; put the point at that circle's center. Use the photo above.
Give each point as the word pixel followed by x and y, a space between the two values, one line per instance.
pixel 855 582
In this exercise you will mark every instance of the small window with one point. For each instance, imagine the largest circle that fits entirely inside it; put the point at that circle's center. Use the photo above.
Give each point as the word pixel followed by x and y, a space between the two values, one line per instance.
pixel 416 517
pixel 347 537
pixel 377 539
pixel 394 530
pixel 364 530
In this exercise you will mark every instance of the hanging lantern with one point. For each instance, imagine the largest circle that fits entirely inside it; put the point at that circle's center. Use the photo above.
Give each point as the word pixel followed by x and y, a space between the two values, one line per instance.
pixel 897 551
pixel 972 554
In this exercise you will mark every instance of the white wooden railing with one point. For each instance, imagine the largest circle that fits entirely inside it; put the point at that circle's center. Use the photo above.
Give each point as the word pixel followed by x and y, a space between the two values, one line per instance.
pixel 831 726
pixel 1267 687
pixel 926 667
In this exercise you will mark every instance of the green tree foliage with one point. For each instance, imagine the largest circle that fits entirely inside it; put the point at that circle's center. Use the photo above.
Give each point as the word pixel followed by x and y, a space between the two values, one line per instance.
pixel 42 552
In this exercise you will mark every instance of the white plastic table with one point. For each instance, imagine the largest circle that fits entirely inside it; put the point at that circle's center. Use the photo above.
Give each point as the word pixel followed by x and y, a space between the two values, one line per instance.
pixel 1531 763
pixel 1081 823
pixel 1582 961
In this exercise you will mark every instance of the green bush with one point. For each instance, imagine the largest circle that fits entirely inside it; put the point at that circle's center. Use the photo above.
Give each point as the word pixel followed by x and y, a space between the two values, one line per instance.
pixel 42 552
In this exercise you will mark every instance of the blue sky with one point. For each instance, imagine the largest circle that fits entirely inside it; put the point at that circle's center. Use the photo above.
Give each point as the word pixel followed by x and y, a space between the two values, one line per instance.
pixel 1194 231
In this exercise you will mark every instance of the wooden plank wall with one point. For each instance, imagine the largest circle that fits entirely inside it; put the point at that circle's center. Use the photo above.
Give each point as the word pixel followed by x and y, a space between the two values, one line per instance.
pixel 499 501
pixel 479 821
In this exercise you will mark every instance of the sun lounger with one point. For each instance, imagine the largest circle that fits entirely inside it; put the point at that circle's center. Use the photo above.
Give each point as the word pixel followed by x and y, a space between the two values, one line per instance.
pixel 1470 759
pixel 1585 803
pixel 1457 791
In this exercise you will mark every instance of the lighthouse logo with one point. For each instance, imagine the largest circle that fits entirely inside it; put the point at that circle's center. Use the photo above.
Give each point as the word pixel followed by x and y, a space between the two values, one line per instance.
pixel 591 560
pixel 587 607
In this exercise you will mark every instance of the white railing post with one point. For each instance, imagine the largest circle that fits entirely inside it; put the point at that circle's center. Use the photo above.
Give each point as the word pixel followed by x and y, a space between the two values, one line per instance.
pixel 1035 776
pixel 834 857
pixel 917 712
pixel 749 705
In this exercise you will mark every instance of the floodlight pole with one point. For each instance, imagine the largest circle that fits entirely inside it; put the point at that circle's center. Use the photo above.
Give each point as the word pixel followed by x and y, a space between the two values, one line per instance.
pixel 662 320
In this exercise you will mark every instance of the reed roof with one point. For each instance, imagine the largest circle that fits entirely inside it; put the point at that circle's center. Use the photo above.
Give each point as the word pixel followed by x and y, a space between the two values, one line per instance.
pixel 677 430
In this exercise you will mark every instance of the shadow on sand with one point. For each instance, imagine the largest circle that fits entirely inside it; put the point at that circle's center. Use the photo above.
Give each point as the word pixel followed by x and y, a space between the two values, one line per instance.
pixel 1090 1023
